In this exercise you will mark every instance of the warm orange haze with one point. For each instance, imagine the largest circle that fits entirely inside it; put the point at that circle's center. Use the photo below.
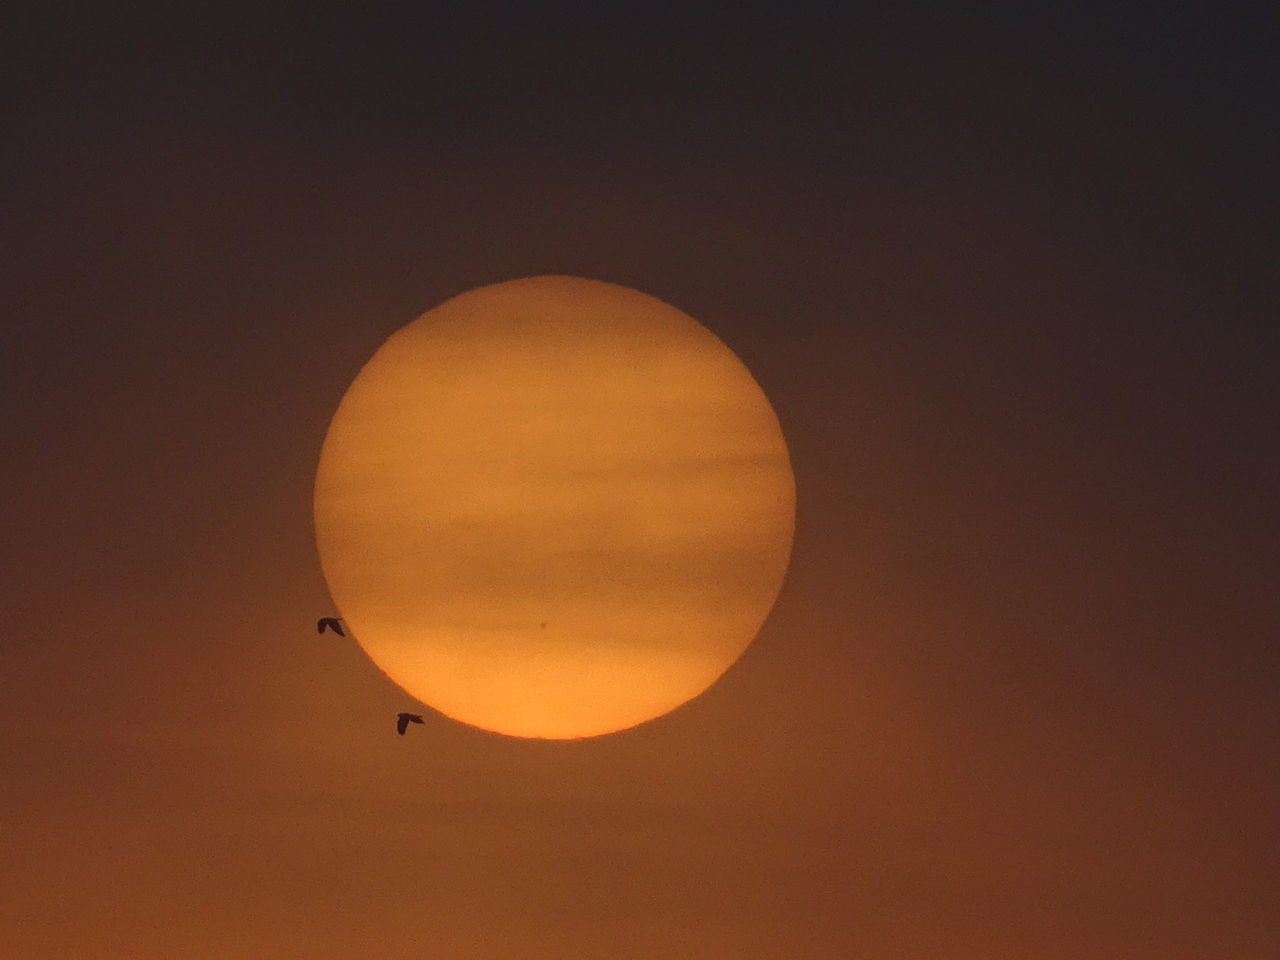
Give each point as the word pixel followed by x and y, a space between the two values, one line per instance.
pixel 982 305
pixel 554 507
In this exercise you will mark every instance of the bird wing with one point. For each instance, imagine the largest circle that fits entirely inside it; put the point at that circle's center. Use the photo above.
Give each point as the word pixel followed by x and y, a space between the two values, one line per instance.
pixel 402 722
pixel 320 625
pixel 337 628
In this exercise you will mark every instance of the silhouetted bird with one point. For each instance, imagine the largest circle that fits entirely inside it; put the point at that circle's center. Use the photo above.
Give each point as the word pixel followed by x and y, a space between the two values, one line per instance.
pixel 333 623
pixel 404 719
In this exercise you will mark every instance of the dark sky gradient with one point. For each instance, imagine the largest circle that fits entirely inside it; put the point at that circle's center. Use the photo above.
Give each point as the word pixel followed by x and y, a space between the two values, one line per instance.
pixel 1010 283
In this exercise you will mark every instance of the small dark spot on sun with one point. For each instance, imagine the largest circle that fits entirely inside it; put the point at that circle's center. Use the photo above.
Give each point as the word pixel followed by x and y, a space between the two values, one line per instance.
pixel 544 624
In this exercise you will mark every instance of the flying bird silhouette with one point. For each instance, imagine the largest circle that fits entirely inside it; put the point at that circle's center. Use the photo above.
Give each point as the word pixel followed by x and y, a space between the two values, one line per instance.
pixel 333 623
pixel 404 719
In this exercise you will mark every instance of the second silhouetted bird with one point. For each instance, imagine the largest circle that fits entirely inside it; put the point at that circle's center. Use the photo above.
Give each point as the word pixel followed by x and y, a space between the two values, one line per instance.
pixel 404 719
pixel 333 623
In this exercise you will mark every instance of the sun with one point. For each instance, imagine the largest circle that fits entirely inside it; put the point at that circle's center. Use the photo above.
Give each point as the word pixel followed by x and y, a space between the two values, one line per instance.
pixel 554 507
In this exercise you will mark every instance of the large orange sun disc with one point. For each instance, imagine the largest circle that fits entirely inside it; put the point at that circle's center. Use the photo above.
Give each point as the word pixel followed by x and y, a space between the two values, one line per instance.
pixel 554 507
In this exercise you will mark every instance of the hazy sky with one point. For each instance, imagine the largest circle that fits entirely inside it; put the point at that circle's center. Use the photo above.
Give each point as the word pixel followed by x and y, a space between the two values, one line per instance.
pixel 1010 283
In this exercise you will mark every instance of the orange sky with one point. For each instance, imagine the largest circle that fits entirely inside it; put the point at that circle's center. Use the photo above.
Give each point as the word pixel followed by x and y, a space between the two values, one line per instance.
pixel 1009 289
